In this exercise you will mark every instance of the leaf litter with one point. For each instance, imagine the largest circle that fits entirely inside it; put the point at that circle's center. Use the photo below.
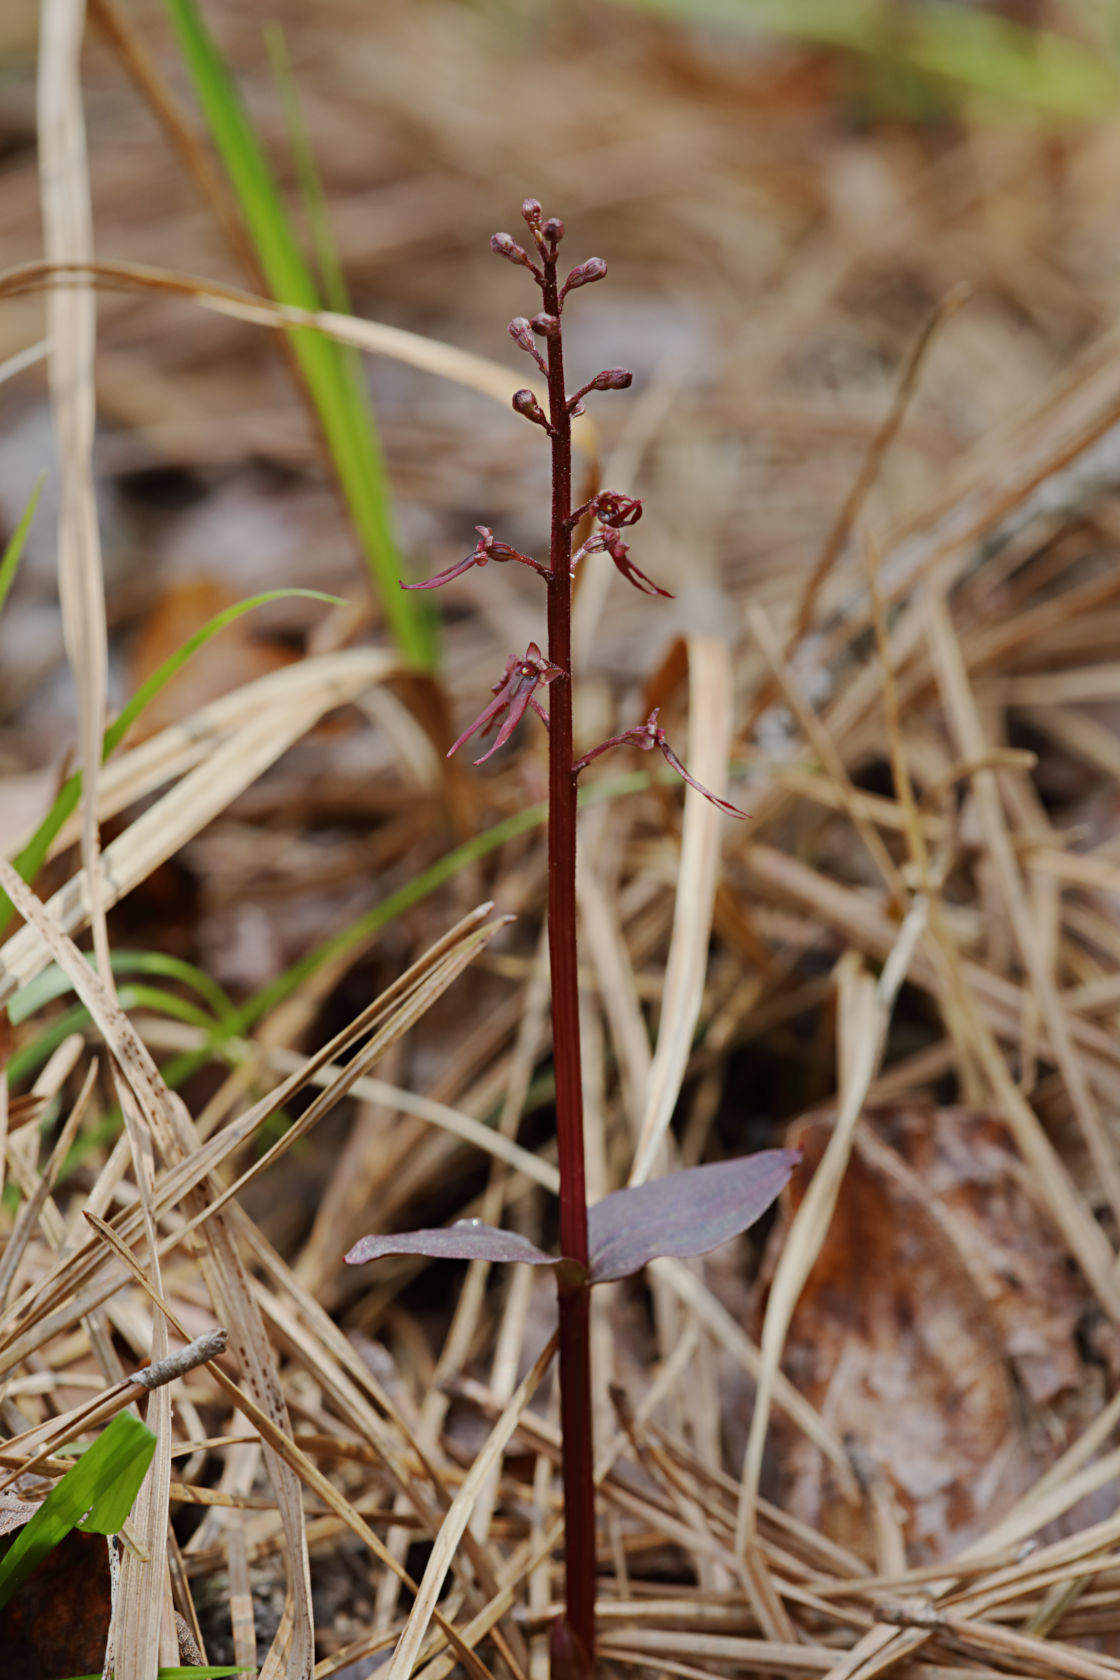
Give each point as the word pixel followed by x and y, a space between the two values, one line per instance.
pixel 933 1482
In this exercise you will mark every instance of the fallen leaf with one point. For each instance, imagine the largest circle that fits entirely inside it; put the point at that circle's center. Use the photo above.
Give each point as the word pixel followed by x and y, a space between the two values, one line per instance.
pixel 941 1310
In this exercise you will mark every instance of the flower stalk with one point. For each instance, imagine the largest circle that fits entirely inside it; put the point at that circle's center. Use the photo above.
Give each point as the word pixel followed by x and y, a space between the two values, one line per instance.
pixel 515 693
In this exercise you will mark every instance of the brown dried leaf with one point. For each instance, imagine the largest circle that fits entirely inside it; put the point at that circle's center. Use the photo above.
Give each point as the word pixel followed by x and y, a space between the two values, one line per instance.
pixel 940 1297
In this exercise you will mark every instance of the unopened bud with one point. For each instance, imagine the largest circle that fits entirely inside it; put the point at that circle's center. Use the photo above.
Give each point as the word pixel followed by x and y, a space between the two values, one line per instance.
pixel 612 379
pixel 547 325
pixel 593 269
pixel 532 212
pixel 526 403
pixel 504 246
pixel 521 333
pixel 553 230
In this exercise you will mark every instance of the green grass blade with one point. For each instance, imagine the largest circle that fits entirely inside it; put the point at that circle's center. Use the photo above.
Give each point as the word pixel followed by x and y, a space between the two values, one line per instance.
pixel 343 413
pixel 13 549
pixel 53 983
pixel 30 1057
pixel 130 996
pixel 95 1495
pixel 33 856
pixel 207 1672
pixel 331 276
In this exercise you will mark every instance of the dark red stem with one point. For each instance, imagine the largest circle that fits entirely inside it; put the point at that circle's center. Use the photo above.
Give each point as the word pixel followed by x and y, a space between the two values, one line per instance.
pixel 575 1347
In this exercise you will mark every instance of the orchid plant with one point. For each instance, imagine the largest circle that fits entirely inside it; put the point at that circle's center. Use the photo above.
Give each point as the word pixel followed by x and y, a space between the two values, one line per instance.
pixel 685 1213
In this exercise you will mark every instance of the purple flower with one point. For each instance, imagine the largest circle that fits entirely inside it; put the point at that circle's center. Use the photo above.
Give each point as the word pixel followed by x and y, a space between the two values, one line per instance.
pixel 645 737
pixel 487 548
pixel 513 694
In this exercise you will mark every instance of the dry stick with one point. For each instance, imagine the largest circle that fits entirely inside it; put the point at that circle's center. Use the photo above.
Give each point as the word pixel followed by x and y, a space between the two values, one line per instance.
pixel 41 1442
pixel 460 1337
pixel 845 520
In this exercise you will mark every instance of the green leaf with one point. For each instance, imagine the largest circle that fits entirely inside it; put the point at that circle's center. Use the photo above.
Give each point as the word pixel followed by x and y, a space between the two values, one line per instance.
pixel 34 854
pixel 96 1496
pixel 339 399
pixel 13 551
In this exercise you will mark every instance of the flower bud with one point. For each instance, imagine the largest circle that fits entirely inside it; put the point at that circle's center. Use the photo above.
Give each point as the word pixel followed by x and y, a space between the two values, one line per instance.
pixel 547 325
pixel 503 246
pixel 532 212
pixel 526 403
pixel 612 379
pixel 521 333
pixel 553 230
pixel 593 269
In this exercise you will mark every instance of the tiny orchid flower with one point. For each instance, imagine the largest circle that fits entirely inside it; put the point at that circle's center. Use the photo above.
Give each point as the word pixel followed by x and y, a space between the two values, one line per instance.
pixel 609 507
pixel 606 541
pixel 513 694
pixel 487 548
pixel 615 512
pixel 645 737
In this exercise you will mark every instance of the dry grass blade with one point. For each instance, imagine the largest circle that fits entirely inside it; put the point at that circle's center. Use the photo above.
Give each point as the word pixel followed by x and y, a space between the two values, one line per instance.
pixel 403 1017
pixel 455 1523
pixel 220 1261
pixel 29 1215
pixel 960 706
pixel 845 521
pixel 313 688
pixel 865 1013
pixel 445 361
pixel 71 323
pixel 709 746
pixel 280 1444
pixel 181 746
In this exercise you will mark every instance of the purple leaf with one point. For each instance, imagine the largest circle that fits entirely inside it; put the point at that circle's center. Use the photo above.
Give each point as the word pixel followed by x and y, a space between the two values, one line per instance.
pixel 685 1214
pixel 470 1239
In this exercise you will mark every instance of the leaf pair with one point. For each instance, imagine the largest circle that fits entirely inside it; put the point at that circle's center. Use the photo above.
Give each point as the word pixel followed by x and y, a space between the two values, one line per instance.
pixel 682 1215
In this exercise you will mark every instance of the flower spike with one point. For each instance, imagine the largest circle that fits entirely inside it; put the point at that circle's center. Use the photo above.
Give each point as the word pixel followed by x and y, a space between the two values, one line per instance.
pixel 645 737
pixel 513 694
